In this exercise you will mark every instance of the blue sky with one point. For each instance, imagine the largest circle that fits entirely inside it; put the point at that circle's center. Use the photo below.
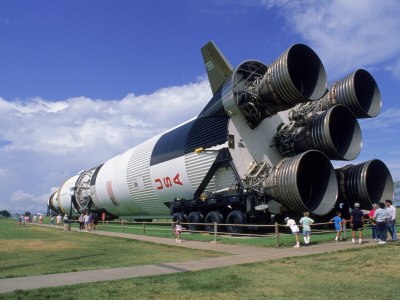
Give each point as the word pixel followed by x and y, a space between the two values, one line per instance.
pixel 82 81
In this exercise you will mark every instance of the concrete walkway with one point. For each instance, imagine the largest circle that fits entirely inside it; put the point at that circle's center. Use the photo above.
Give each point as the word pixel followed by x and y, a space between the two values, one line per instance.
pixel 239 255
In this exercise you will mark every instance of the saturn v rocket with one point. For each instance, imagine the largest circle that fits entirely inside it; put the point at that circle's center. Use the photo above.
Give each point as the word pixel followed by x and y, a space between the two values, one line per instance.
pixel 261 147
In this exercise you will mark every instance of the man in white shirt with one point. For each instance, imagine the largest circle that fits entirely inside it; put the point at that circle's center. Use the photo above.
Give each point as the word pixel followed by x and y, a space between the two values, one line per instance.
pixel 392 220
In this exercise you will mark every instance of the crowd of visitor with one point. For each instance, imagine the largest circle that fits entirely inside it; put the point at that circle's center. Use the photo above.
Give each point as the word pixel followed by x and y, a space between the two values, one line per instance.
pixel 382 219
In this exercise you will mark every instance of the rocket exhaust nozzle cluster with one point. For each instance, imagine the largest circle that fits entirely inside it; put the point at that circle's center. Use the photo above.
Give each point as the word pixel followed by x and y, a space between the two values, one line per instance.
pixel 335 132
pixel 369 182
pixel 297 76
pixel 306 182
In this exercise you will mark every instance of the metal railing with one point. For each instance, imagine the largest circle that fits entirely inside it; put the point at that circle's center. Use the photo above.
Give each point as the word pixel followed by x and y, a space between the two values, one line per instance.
pixel 274 230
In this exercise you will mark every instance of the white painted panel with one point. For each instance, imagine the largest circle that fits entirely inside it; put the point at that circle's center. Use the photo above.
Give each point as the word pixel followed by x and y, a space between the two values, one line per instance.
pixel 260 140
pixel 112 187
pixel 54 201
pixel 225 178
pixel 197 166
pixel 241 156
pixel 139 181
pixel 170 180
pixel 64 196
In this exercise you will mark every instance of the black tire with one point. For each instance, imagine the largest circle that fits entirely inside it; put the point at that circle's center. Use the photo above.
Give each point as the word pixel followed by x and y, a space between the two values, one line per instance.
pixel 179 216
pixel 195 217
pixel 212 217
pixel 235 217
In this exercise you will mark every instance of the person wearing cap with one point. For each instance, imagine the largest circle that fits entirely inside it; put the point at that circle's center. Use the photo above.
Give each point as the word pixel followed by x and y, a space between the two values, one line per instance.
pixel 375 235
pixel 295 230
pixel 381 217
pixel 392 219
pixel 357 222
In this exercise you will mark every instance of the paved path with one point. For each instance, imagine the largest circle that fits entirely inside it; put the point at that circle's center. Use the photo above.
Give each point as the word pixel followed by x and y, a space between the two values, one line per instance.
pixel 239 255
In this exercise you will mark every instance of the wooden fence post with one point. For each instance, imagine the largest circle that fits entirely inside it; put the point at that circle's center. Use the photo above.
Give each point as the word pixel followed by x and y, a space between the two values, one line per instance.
pixel 144 227
pixel 215 232
pixel 276 235
pixel 123 229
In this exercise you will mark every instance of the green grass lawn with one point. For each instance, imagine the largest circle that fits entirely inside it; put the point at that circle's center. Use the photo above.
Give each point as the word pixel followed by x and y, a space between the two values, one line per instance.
pixel 36 250
pixel 358 273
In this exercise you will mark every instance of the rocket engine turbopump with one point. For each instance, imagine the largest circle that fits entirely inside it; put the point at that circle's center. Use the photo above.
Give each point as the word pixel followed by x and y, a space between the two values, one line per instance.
pixel 260 147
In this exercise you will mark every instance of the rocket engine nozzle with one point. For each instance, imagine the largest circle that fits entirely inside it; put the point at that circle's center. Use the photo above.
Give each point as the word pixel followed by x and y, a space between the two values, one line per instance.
pixel 306 182
pixel 366 183
pixel 296 76
pixel 359 92
pixel 335 132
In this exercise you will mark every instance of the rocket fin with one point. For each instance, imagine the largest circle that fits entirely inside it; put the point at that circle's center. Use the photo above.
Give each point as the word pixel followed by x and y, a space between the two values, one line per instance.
pixel 217 66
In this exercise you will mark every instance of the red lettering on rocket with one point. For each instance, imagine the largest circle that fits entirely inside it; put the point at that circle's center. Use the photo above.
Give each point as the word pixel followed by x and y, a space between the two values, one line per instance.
pixel 176 180
pixel 160 187
pixel 167 182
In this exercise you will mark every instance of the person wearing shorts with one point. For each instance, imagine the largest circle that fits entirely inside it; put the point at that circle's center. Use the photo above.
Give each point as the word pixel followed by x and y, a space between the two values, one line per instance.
pixel 87 219
pixel 295 230
pixel 356 223
pixel 305 222
pixel 178 230
pixel 338 225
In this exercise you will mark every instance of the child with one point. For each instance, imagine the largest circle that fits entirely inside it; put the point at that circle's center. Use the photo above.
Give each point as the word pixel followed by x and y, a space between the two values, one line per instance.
pixel 338 225
pixel 305 223
pixel 295 230
pixel 178 230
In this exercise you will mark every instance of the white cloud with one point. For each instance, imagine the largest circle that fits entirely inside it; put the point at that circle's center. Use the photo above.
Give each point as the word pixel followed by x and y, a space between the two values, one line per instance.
pixel 395 69
pixel 22 201
pixel 387 119
pixel 82 124
pixel 346 34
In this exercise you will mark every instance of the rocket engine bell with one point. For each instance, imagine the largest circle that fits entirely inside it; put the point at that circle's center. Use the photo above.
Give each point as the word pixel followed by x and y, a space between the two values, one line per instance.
pixel 266 137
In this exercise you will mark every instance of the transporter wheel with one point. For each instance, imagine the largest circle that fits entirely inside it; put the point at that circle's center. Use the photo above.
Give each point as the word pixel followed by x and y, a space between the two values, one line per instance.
pixel 179 216
pixel 235 217
pixel 212 217
pixel 195 217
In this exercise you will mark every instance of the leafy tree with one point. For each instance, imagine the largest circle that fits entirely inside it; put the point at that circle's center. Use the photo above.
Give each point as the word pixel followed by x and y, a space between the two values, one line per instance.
pixel 5 213
pixel 27 213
